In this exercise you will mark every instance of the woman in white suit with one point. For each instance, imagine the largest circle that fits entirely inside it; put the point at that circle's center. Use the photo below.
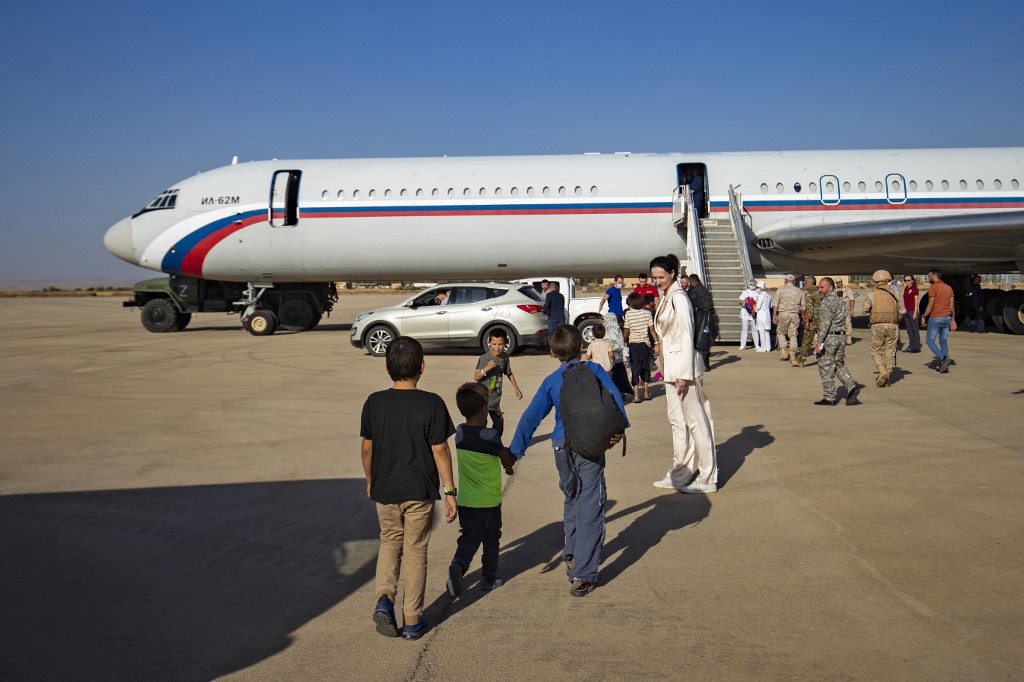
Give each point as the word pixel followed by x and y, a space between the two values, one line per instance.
pixel 689 412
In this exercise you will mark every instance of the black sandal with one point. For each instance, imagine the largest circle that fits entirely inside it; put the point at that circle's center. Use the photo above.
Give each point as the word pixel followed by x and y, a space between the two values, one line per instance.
pixel 581 588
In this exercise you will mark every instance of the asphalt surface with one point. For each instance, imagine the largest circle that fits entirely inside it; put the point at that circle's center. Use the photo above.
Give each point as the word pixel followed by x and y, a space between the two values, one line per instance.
pixel 191 505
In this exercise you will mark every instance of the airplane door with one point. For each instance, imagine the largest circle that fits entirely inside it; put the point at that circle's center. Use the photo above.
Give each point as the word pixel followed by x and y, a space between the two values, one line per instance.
pixel 828 185
pixel 283 209
pixel 895 188
pixel 427 320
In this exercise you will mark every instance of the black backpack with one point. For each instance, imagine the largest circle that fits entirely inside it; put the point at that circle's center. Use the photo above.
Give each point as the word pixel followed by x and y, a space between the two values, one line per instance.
pixel 590 415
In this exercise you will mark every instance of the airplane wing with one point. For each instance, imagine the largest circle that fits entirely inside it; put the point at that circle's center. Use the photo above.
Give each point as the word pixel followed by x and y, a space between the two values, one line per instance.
pixel 972 242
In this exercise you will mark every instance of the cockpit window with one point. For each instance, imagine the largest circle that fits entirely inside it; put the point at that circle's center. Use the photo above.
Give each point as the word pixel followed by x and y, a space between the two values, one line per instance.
pixel 166 199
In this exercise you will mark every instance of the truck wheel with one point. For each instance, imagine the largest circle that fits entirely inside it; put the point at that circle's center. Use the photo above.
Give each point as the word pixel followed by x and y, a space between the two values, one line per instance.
pixel 378 338
pixel 183 320
pixel 314 322
pixel 296 313
pixel 513 340
pixel 1013 311
pixel 261 323
pixel 159 315
pixel 586 328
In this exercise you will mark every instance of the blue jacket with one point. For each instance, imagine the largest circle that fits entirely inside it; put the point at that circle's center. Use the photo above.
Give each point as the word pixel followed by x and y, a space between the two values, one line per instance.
pixel 546 398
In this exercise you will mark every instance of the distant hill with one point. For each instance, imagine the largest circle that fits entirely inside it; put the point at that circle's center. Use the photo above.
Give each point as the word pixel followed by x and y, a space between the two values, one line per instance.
pixel 65 284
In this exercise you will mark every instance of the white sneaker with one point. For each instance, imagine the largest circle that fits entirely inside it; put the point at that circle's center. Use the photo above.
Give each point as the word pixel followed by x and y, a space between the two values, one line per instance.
pixel 665 483
pixel 700 488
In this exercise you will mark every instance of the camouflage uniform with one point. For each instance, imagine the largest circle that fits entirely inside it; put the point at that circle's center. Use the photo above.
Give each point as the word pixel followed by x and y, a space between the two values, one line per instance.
pixel 886 310
pixel 809 306
pixel 849 299
pixel 832 332
pixel 787 306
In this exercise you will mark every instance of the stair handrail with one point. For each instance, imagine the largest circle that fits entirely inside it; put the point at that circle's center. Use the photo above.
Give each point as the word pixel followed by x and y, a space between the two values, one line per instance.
pixel 694 246
pixel 739 227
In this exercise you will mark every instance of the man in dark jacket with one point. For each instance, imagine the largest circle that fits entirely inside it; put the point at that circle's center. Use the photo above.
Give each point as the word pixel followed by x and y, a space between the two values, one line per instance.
pixel 554 307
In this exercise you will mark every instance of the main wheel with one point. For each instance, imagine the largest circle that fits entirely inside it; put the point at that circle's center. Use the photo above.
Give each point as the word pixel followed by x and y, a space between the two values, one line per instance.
pixel 261 323
pixel 183 320
pixel 513 339
pixel 994 308
pixel 296 313
pixel 378 338
pixel 586 328
pixel 159 315
pixel 1013 311
pixel 314 322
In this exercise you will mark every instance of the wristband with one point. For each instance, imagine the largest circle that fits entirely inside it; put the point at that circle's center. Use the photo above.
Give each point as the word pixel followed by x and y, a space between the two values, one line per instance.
pixel 451 491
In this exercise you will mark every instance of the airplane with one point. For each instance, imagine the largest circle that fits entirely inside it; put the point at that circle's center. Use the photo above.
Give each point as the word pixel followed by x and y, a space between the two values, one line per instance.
pixel 270 232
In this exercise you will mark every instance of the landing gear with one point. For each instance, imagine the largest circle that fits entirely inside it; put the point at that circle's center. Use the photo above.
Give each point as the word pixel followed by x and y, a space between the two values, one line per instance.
pixel 261 323
pixel 297 313
pixel 1013 311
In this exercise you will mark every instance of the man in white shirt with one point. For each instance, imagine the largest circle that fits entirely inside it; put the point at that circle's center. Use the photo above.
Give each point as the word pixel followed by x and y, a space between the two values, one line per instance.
pixel 746 317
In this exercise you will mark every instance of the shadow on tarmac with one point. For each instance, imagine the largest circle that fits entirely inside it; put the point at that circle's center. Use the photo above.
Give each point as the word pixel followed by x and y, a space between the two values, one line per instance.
pixel 734 452
pixel 183 583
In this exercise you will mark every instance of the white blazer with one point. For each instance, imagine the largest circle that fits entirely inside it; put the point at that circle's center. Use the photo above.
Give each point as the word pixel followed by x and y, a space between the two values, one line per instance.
pixel 674 324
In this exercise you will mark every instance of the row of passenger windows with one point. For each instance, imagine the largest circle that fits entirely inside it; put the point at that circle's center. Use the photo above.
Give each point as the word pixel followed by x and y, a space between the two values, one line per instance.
pixel 896 185
pixel 466 192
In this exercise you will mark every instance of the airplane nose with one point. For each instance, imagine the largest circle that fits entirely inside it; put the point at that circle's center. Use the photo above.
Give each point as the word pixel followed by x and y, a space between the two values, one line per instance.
pixel 118 241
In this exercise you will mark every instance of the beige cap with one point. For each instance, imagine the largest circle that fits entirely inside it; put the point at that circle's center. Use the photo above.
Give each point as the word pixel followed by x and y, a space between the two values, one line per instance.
pixel 790 278
pixel 881 276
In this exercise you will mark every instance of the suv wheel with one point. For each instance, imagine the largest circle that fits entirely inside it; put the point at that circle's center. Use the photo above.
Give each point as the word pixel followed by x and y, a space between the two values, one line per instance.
pixel 378 338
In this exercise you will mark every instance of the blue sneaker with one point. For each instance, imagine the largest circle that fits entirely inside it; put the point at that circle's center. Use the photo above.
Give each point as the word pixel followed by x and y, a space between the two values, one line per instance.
pixel 414 631
pixel 384 617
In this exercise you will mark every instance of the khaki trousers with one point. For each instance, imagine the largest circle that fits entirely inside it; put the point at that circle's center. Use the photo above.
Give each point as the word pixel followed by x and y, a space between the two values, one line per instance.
pixel 693 435
pixel 404 532
pixel 884 336
pixel 789 324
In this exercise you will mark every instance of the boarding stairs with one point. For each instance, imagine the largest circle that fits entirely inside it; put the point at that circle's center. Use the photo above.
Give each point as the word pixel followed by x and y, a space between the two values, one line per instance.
pixel 717 252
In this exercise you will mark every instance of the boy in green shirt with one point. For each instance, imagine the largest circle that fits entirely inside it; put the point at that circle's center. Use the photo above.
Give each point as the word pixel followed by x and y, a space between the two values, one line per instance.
pixel 481 458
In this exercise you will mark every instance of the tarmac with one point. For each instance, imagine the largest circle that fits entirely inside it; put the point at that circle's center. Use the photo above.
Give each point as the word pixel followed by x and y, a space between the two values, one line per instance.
pixel 192 506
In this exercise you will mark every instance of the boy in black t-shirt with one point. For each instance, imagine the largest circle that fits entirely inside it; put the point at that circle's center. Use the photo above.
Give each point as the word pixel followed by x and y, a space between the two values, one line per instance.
pixel 406 458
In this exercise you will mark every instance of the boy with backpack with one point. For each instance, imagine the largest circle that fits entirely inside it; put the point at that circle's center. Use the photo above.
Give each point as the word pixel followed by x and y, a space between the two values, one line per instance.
pixel 481 459
pixel 406 459
pixel 589 418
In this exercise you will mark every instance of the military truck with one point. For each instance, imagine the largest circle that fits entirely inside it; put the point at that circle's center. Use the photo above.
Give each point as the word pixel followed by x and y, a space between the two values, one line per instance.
pixel 168 303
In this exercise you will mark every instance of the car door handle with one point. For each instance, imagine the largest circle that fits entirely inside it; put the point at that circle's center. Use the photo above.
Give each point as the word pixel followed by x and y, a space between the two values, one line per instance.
pixel 441 312
pixel 488 308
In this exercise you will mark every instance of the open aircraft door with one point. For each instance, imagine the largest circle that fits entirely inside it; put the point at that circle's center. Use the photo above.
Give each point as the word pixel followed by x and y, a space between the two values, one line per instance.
pixel 283 209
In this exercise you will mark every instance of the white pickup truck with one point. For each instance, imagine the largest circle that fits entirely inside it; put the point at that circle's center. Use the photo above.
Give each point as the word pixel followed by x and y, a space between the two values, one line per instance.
pixel 581 312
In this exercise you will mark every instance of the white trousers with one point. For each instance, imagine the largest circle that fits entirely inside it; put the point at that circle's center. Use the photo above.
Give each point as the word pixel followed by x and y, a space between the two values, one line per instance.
pixel 693 435
pixel 764 332
pixel 747 325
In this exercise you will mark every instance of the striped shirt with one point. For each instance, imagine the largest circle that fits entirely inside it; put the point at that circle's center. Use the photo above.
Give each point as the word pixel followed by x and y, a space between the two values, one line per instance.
pixel 637 322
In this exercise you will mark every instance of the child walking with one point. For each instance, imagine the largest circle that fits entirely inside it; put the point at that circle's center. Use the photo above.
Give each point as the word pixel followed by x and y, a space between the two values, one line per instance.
pixel 406 459
pixel 491 369
pixel 481 458
pixel 580 478
pixel 600 351
pixel 638 324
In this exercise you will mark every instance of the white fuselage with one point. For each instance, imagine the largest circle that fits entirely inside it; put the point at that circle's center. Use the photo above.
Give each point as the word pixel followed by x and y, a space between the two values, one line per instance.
pixel 585 215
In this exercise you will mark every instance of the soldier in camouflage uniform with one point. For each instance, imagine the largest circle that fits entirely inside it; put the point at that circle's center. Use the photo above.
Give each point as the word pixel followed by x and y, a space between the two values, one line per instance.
pixel 809 313
pixel 786 306
pixel 886 309
pixel 849 297
pixel 831 340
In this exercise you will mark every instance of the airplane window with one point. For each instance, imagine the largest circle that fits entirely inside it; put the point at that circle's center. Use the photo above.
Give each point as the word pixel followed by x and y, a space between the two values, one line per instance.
pixel 373 194
pixel 1015 184
pixel 404 193
pixel 419 192
pixel 593 191
pixel 764 188
pixel 451 191
pixel 846 187
pixel 945 184
pixel 355 194
pixel 779 188
pixel 980 184
pixel 998 184
pixel 515 191
pixel 529 191
pixel 896 185
pixel 830 186
pixel 341 194
pixel 467 192
pixel 387 194
pixel 813 187
pixel 963 184
pixel 436 193
pixel 483 191
pixel 324 195
pixel 913 185
pixel 166 199
pixel 578 191
pixel 547 191
pixel 561 191
pixel 862 186
pixel 497 192
pixel 797 187
pixel 928 185
pixel 879 186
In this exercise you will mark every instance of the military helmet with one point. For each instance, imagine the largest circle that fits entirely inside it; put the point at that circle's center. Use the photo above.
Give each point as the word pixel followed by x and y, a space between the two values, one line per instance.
pixel 881 276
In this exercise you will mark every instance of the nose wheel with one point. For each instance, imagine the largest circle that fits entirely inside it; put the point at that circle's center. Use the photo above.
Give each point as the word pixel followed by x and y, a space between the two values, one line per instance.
pixel 261 323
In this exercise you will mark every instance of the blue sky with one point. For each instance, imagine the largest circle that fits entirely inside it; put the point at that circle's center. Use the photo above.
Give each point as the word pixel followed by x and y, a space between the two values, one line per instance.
pixel 106 104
